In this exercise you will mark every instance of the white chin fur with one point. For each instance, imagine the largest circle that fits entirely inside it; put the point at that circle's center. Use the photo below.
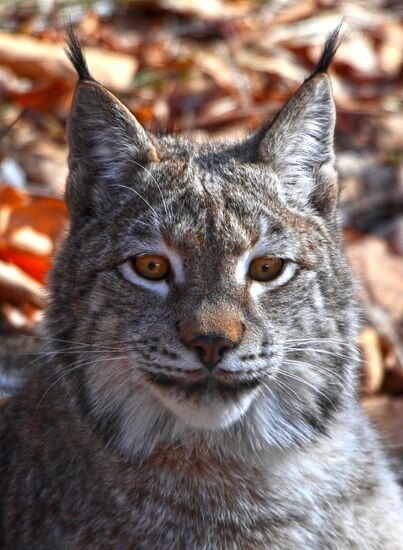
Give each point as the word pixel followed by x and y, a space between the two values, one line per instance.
pixel 205 413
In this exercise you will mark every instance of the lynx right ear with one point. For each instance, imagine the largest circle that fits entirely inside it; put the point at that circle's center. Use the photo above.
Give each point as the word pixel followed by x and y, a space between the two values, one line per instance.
pixel 298 144
pixel 104 138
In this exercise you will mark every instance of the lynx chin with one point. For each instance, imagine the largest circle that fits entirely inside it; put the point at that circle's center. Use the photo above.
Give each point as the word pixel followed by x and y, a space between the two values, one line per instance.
pixel 198 389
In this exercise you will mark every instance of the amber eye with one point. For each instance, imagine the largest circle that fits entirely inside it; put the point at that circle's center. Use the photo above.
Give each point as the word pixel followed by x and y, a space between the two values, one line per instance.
pixel 266 268
pixel 151 267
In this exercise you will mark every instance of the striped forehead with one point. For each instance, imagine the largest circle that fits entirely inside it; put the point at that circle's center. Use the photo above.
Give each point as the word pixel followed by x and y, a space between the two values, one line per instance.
pixel 206 211
pixel 212 227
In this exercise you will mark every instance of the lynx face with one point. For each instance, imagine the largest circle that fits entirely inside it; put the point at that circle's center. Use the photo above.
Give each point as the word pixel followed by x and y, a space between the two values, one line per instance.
pixel 204 285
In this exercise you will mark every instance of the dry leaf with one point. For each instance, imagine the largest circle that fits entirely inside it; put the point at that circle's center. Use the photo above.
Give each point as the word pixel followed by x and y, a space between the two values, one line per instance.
pixel 45 96
pixel 210 10
pixel 275 63
pixel 33 58
pixel 27 239
pixel 35 266
pixel 387 414
pixel 391 48
pixel 31 228
pixel 16 287
pixel 10 199
pixel 23 319
pixel 357 51
pixel 372 365
pixel 381 274
pixel 216 67
pixel 45 215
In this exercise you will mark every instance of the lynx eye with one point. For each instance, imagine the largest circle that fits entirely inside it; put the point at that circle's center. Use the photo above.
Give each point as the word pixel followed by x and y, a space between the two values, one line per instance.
pixel 266 268
pixel 151 267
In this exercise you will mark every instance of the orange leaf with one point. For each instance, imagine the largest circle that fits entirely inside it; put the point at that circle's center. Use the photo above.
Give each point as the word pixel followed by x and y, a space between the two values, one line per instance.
pixel 36 266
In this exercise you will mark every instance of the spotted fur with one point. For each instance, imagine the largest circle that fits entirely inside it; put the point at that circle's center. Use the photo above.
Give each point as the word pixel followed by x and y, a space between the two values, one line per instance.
pixel 124 439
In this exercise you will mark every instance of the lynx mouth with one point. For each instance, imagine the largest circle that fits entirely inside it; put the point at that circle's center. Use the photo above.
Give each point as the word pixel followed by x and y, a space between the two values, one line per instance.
pixel 207 402
pixel 205 385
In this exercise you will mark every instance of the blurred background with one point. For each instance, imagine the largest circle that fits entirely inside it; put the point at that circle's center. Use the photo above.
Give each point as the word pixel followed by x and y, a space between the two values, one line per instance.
pixel 212 69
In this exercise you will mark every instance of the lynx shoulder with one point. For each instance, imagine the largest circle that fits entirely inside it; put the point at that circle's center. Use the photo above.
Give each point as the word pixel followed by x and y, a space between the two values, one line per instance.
pixel 200 387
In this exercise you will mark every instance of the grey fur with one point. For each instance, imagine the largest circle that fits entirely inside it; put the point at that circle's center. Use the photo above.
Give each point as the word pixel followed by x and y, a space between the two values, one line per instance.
pixel 124 440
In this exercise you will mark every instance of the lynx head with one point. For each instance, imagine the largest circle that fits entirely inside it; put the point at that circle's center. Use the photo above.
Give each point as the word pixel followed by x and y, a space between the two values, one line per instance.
pixel 203 285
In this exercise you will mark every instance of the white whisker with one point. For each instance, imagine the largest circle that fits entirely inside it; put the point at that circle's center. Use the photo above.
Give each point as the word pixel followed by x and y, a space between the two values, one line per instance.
pixel 139 195
pixel 299 379
pixel 332 375
pixel 326 352
pixel 154 180
pixel 66 371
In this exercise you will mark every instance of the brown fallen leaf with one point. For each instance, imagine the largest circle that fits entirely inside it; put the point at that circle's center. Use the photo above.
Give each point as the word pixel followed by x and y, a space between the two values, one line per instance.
pixel 38 60
pixel 28 239
pixel 23 319
pixel 289 12
pixel 273 62
pixel 35 266
pixel 46 96
pixel 303 33
pixel 16 287
pixel 381 273
pixel 31 228
pixel 389 134
pixel 10 200
pixel 387 413
pixel 373 365
pixel 357 52
pixel 391 47
pixel 211 10
pixel 44 215
pixel 216 67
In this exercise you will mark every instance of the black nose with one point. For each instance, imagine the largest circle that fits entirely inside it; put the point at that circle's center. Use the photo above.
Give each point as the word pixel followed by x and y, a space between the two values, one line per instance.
pixel 210 348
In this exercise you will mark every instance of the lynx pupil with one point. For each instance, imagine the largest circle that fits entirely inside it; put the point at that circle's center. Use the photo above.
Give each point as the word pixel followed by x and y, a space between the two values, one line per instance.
pixel 266 268
pixel 151 267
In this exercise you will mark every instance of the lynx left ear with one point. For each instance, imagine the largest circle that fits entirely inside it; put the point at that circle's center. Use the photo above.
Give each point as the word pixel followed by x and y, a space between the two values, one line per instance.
pixel 104 138
pixel 299 143
pixel 103 133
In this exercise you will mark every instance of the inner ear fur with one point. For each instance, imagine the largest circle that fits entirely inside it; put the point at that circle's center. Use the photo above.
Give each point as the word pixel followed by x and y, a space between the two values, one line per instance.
pixel 298 145
pixel 104 140
pixel 99 120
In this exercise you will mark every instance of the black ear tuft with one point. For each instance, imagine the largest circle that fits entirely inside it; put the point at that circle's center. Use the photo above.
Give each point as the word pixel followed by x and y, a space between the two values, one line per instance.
pixel 328 52
pixel 75 54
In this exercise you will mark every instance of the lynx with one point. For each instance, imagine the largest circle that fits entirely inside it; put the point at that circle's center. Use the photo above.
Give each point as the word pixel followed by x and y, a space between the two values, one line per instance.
pixel 198 390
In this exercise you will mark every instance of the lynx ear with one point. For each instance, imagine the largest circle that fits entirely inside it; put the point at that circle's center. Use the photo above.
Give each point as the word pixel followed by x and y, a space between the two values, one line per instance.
pixel 104 137
pixel 299 142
